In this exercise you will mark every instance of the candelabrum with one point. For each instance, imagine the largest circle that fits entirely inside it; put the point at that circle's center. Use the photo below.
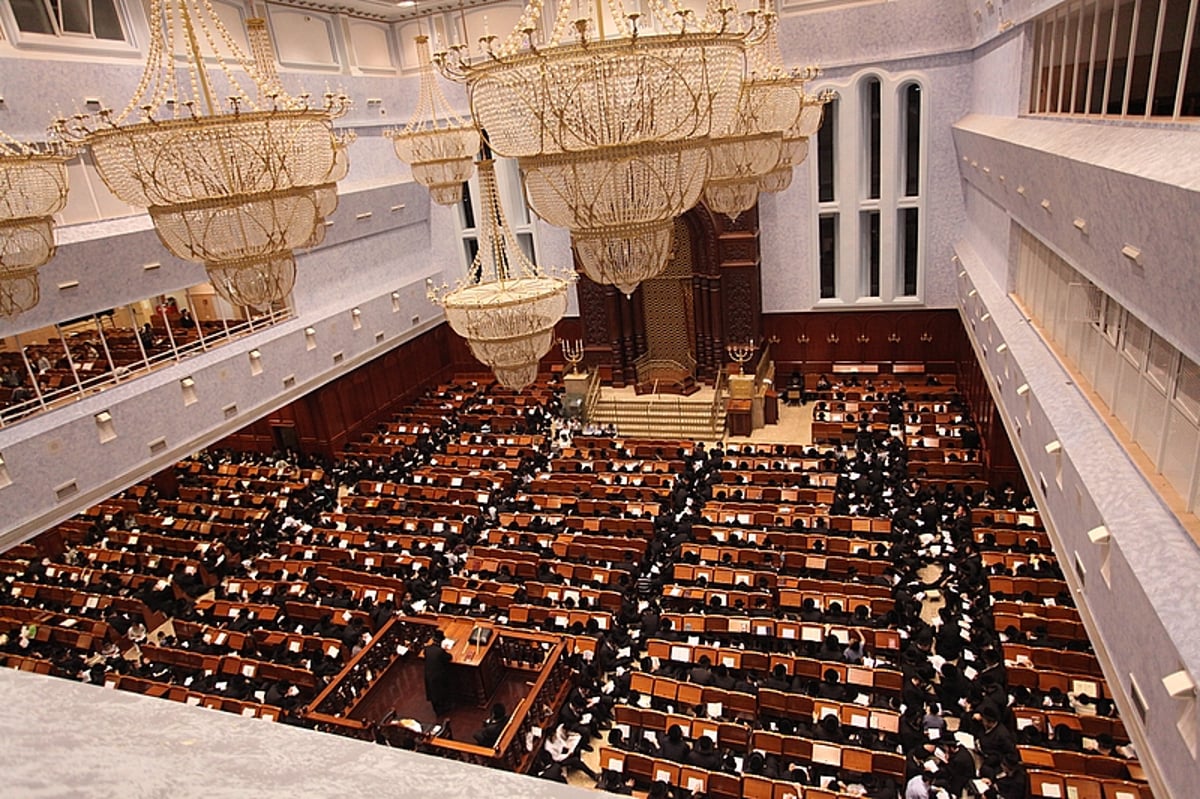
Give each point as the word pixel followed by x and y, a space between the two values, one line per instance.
pixel 740 353
pixel 573 352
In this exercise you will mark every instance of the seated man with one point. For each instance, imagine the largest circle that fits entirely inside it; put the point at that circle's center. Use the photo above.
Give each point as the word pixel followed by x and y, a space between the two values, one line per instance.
pixel 489 733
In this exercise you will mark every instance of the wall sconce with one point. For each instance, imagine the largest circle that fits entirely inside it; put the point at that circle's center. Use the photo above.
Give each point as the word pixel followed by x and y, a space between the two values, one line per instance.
pixel 188 386
pixel 395 302
pixel 1098 535
pixel 104 426
pixel 1179 685
pixel 356 318
pixel 833 338
pixel 256 366
pixel 863 338
pixel 310 338
pixel 802 338
pixel 1132 253
pixel 926 337
pixel 894 337
pixel 772 339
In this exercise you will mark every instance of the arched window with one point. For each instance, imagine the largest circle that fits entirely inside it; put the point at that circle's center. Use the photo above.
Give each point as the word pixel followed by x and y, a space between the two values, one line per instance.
pixel 909 199
pixel 870 180
pixel 827 227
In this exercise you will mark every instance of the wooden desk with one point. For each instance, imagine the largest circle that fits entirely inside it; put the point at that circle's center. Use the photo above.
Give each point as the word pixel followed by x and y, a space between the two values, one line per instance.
pixel 737 412
pixel 476 667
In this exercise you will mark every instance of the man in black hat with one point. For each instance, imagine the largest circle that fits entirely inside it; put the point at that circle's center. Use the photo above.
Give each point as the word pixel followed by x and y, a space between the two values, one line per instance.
pixel 437 674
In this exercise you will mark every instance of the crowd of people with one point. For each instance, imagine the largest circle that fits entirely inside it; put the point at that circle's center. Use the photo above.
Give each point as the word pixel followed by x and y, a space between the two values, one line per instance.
pixel 957 730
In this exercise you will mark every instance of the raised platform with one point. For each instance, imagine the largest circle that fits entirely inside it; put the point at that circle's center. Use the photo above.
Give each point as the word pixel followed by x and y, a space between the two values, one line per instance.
pixel 659 415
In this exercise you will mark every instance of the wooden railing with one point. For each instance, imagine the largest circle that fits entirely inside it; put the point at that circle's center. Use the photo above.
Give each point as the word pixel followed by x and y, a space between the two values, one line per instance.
pixel 715 415
pixel 593 395
pixel 519 650
pixel 664 369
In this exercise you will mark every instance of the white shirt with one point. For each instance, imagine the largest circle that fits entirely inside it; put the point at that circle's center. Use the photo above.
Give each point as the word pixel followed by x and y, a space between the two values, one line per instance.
pixel 916 788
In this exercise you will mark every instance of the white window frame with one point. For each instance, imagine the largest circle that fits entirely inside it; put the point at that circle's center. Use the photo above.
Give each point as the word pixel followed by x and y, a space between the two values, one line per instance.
pixel 851 203
pixel 133 25
pixel 510 184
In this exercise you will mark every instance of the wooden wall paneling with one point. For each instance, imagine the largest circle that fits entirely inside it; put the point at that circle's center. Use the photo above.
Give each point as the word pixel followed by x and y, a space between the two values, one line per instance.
pixel 709 331
pixel 741 285
pixel 741 304
pixel 333 415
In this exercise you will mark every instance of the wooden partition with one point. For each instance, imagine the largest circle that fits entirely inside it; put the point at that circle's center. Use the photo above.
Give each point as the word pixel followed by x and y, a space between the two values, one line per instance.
pixel 543 656
pixel 342 410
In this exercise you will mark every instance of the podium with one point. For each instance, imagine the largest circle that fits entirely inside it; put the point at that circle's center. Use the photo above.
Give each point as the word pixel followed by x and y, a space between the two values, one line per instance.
pixel 475 667
pixel 744 408
pixel 575 390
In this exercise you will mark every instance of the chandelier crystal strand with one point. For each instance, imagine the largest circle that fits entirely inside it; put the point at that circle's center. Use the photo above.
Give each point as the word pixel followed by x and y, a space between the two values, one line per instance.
pixel 610 134
pixel 232 185
pixel 436 143
pixel 508 309
pixel 33 187
pixel 264 56
pixel 526 26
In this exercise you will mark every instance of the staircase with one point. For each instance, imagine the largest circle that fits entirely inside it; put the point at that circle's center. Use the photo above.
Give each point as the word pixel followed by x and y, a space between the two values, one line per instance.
pixel 661 416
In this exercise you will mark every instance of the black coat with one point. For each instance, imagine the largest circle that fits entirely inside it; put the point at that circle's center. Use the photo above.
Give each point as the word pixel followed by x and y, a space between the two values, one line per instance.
pixel 437 675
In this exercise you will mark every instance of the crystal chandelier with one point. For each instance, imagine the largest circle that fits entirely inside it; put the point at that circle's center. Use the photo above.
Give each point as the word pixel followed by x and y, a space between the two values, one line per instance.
pixel 33 187
pixel 795 141
pixel 611 134
pixel 768 137
pixel 508 308
pixel 237 187
pixel 437 143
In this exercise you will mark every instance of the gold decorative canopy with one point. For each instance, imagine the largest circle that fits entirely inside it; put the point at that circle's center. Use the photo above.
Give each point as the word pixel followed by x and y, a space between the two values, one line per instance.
pixel 437 143
pixel 33 187
pixel 508 308
pixel 232 185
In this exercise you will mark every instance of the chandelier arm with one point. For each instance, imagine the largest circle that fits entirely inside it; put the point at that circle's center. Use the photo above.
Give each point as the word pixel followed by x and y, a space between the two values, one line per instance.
pixel 617 9
pixel 658 10
pixel 562 21
pixel 530 15
pixel 712 15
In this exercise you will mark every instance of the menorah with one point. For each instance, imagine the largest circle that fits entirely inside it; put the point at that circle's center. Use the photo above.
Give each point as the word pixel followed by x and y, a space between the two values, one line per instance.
pixel 741 353
pixel 573 352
